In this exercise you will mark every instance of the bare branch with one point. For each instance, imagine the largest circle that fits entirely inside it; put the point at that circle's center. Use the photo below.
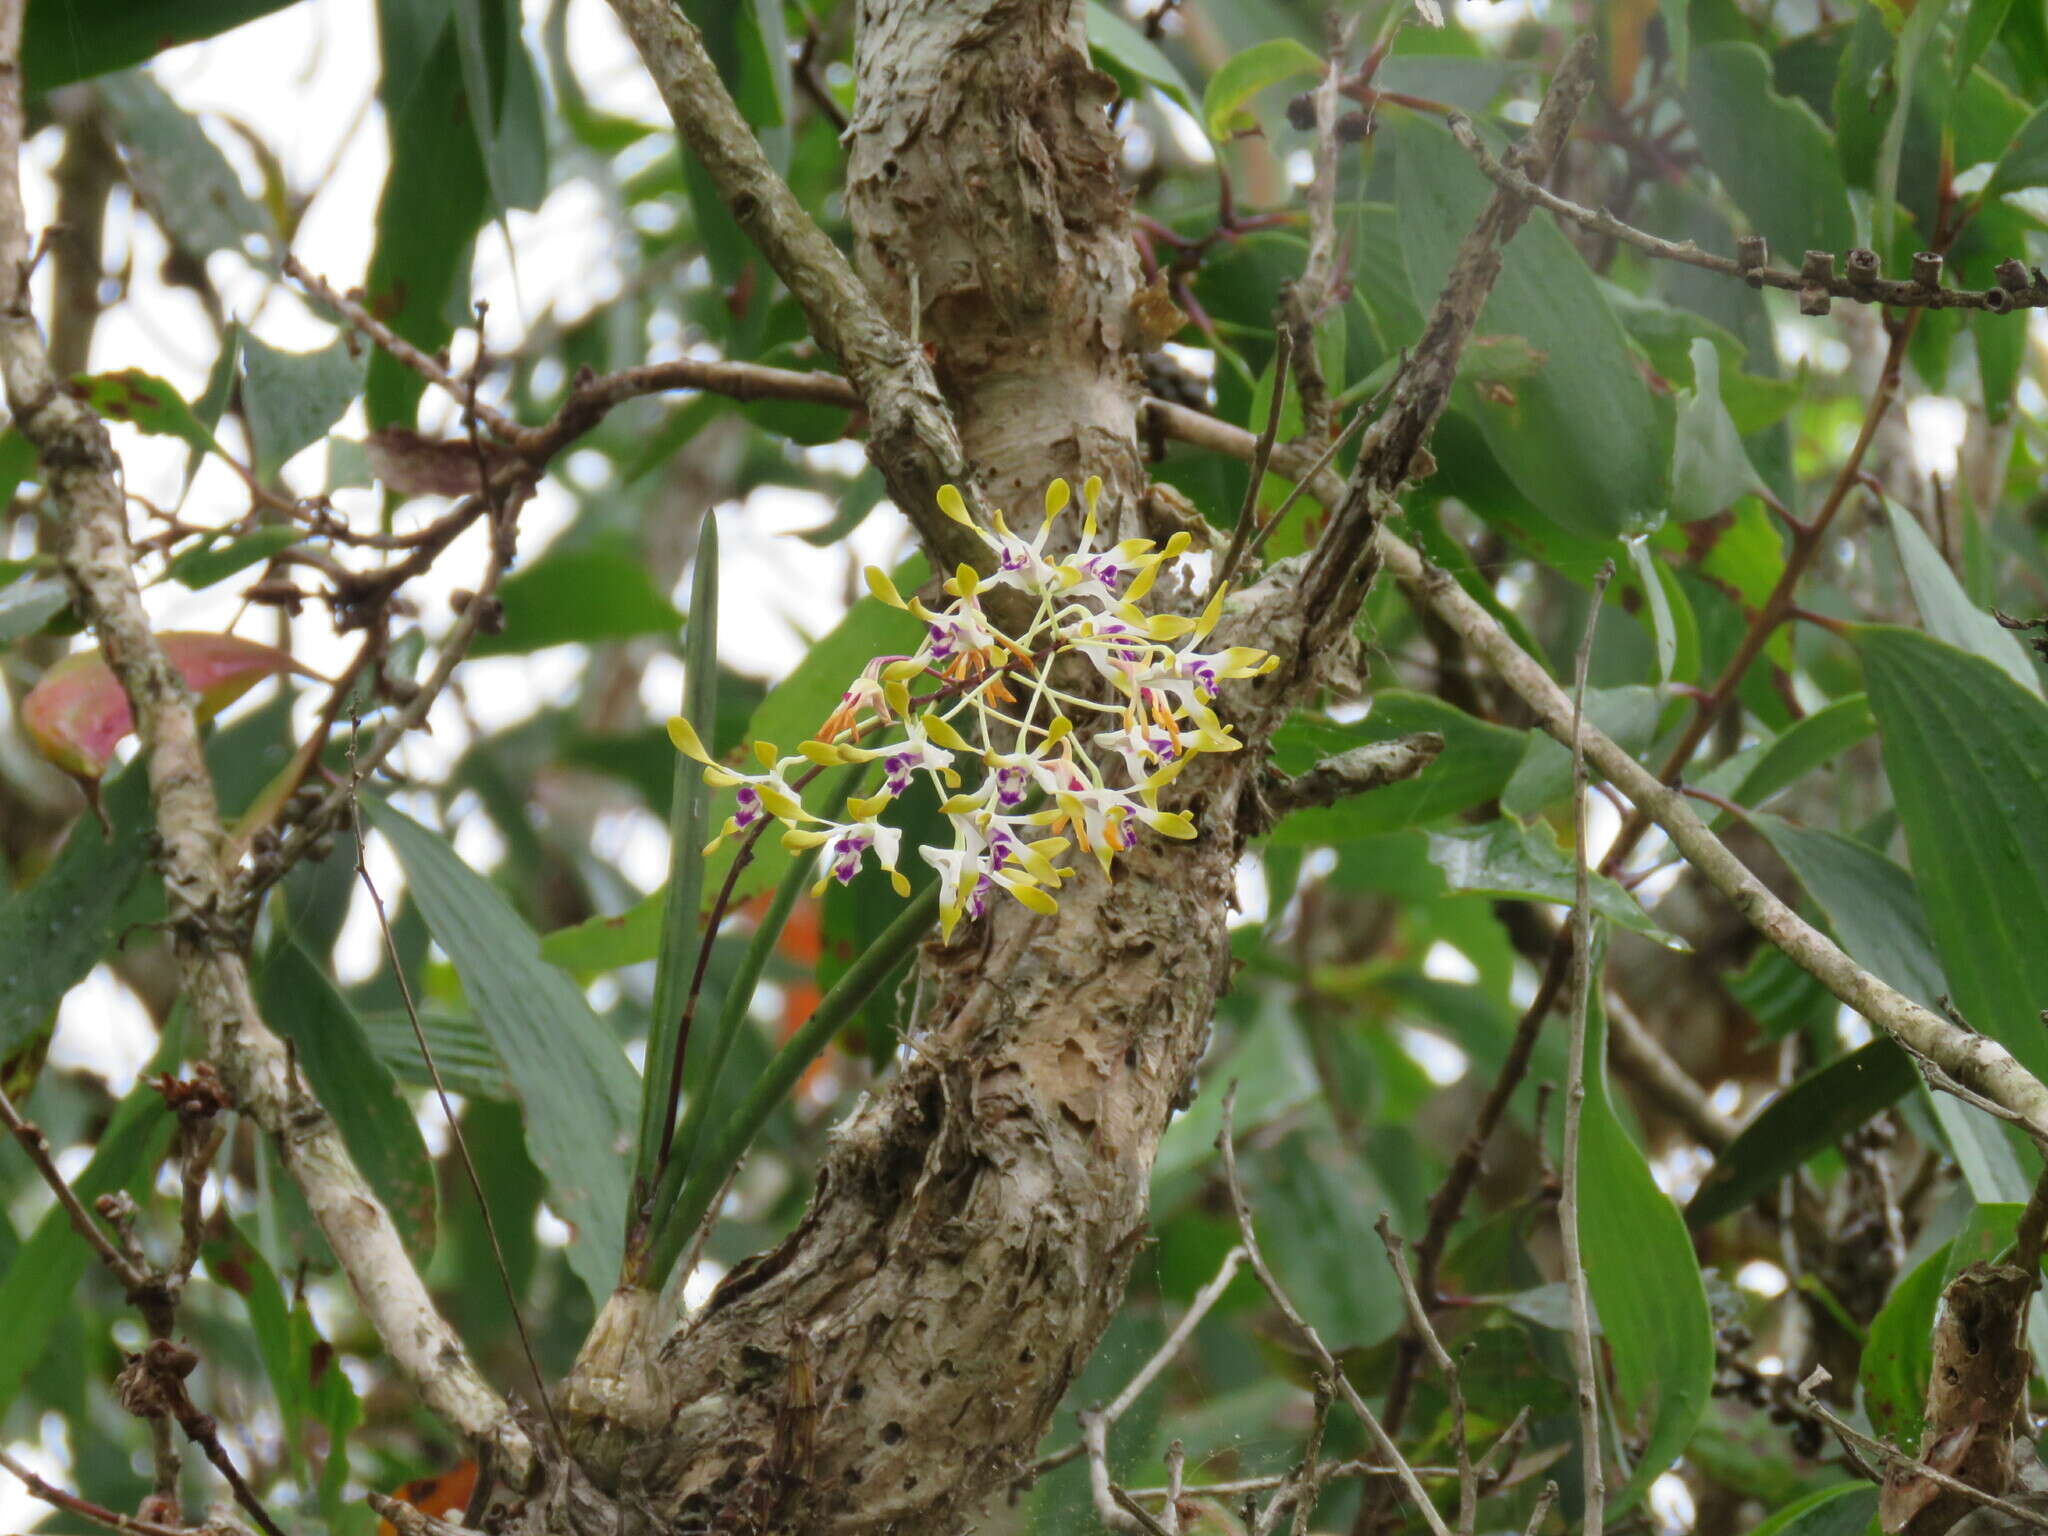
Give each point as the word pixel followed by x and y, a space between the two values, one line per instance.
pixel 1325 1361
pixel 1815 282
pixel 85 1509
pixel 914 443
pixel 1372 766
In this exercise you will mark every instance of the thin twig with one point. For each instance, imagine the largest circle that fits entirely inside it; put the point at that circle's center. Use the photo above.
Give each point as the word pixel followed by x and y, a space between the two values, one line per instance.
pixel 1863 285
pixel 1328 1472
pixel 1892 1456
pixel 1418 1316
pixel 419 1035
pixel 37 1146
pixel 1248 1235
pixel 1262 456
pixel 1190 1320
pixel 2032 1229
pixel 1336 444
pixel 85 1509
pixel 1583 1361
pixel 1541 1512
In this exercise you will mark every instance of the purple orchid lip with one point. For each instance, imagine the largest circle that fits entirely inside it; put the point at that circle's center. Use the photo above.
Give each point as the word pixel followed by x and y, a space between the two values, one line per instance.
pixel 749 810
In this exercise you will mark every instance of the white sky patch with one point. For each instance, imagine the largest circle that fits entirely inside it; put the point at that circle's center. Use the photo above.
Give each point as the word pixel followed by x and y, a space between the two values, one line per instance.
pixel 1760 1277
pixel 1446 962
pixel 48 1456
pixel 1852 1030
pixel 1442 1062
pixel 1938 425
pixel 549 1230
pixel 1670 1504
pixel 1679 1171
pixel 1254 896
pixel 102 1027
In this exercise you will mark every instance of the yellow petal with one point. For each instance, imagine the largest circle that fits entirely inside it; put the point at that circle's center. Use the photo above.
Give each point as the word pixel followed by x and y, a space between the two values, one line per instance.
pixel 687 741
pixel 900 883
pixel 1172 823
pixel 1056 497
pixel 1142 583
pixel 765 751
pixel 1092 492
pixel 883 588
pixel 940 731
pixel 953 506
pixel 867 807
pixel 1031 896
pixel 1212 613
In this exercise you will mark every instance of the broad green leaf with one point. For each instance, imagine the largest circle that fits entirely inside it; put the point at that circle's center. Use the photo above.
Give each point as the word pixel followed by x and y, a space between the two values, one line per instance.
pixel 1980 26
pixel 586 595
pixel 67 40
pixel 1897 1357
pixel 571 1075
pixel 1966 751
pixel 374 1119
pixel 41 1284
pixel 293 398
pixel 178 172
pixel 1946 609
pixel 1870 902
pixel 1820 738
pixel 1709 466
pixel 202 567
pixel 1474 766
pixel 1645 1282
pixel 463 1053
pixel 1847 1510
pixel 1125 51
pixel 2025 161
pixel 1246 73
pixel 427 219
pixel 145 401
pixel 1773 155
pixel 78 713
pixel 30 603
pixel 212 403
pixel 1912 43
pixel 53 933
pixel 1813 1114
pixel 1580 438
pixel 1506 858
pixel 510 125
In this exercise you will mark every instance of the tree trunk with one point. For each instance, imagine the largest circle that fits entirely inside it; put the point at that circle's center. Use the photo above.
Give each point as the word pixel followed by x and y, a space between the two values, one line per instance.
pixel 899 1358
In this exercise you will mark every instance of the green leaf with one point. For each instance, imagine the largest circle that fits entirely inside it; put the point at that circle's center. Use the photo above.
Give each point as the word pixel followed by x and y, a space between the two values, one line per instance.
pixel 293 398
pixel 213 401
pixel 1474 766
pixel 41 1284
pixel 180 175
pixel 511 128
pixel 53 933
pixel 67 40
pixel 202 567
pixel 1966 751
pixel 1870 902
pixel 1897 1355
pixel 1122 50
pixel 375 1120
pixel 1820 738
pixel 1814 1113
pixel 571 1075
pixel 1245 73
pixel 463 1053
pixel 1847 1510
pixel 1506 858
pixel 1946 608
pixel 433 203
pixel 683 934
pixel 1645 1281
pixel 1581 438
pixel 30 603
pixel 1912 43
pixel 1709 465
pixel 1771 152
pixel 146 401
pixel 2025 160
pixel 583 596
pixel 1980 26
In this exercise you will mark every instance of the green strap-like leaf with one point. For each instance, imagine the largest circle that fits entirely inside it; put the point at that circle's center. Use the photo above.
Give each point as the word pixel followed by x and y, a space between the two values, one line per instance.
pixel 571 1074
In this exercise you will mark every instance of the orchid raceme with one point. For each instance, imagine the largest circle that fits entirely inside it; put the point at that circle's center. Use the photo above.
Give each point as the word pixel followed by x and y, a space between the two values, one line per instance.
pixel 1058 769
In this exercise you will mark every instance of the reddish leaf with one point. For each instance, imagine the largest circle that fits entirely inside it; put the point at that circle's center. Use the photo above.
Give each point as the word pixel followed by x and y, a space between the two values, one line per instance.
pixel 78 713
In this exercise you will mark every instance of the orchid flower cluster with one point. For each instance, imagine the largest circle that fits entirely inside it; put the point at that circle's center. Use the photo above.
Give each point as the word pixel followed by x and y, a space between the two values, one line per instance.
pixel 1057 769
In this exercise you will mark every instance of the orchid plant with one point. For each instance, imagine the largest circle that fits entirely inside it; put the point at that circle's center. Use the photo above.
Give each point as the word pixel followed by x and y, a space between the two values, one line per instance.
pixel 1055 769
